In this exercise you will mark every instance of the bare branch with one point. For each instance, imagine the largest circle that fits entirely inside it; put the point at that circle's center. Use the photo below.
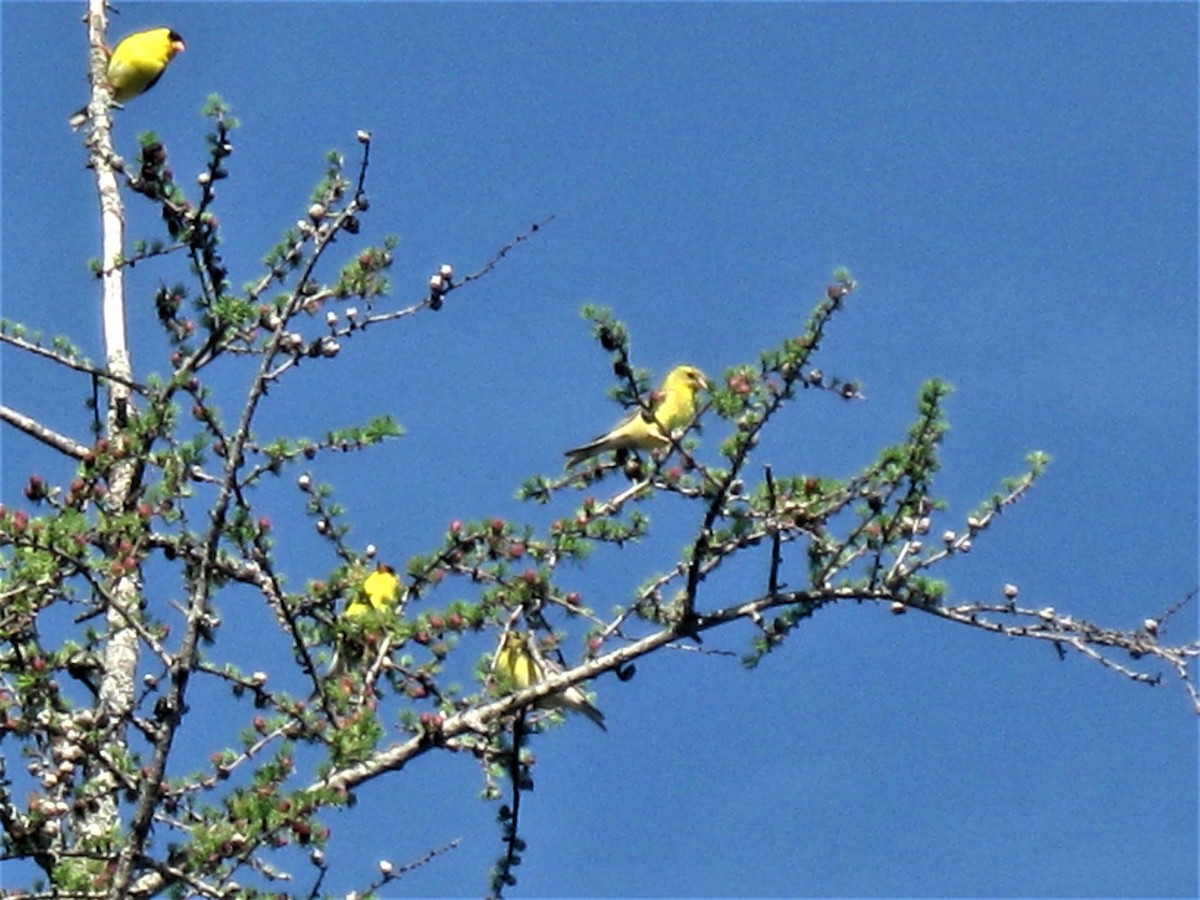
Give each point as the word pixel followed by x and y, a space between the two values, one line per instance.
pixel 40 432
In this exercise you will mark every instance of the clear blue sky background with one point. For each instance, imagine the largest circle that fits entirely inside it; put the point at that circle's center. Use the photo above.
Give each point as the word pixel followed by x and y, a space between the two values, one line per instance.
pixel 1015 187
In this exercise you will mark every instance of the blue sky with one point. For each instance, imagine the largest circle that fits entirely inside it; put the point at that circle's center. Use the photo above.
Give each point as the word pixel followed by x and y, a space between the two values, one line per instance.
pixel 1015 188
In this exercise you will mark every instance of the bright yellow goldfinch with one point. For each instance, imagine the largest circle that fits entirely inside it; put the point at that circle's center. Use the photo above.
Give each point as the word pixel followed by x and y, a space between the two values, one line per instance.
pixel 674 405
pixel 377 594
pixel 136 65
pixel 518 663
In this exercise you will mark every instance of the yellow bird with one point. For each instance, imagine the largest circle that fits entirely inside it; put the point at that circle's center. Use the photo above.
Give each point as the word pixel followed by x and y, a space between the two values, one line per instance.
pixel 136 65
pixel 673 405
pixel 519 662
pixel 377 594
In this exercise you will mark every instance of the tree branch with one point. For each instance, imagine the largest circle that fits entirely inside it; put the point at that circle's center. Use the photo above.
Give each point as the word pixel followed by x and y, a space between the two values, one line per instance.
pixel 40 432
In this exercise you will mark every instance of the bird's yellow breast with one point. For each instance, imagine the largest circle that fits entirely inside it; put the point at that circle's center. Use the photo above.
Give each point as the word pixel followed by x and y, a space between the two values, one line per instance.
pixel 678 403
pixel 515 662
pixel 139 60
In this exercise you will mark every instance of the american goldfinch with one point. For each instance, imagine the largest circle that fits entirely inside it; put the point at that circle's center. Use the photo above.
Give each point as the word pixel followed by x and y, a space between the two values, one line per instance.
pixel 519 662
pixel 674 405
pixel 136 65
pixel 377 593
